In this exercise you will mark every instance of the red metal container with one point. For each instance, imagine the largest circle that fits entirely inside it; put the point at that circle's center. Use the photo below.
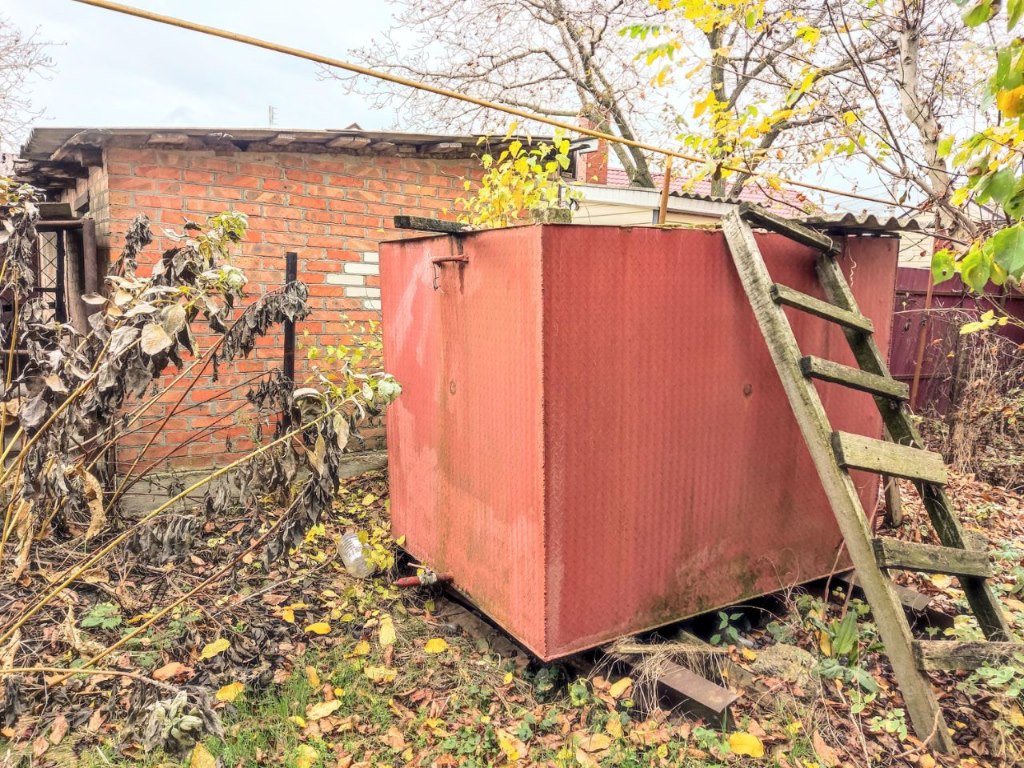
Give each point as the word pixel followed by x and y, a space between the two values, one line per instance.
pixel 592 438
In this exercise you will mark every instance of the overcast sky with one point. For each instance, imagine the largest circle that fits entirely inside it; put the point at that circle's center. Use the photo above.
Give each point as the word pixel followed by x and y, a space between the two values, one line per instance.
pixel 114 70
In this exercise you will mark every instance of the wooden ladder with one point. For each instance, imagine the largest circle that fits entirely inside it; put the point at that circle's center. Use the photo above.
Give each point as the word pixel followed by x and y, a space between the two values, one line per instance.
pixel 835 453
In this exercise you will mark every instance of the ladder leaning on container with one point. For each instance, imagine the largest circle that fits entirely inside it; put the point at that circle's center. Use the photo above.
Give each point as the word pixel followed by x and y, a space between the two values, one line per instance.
pixel 834 453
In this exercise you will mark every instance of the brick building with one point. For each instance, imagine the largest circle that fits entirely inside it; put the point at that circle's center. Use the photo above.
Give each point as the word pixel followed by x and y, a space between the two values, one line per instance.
pixel 329 196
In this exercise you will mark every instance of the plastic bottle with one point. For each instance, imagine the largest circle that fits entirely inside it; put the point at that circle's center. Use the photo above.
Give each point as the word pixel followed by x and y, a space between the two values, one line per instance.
pixel 353 555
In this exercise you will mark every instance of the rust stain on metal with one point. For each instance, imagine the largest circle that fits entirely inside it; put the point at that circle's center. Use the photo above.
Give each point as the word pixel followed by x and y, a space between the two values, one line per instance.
pixel 592 439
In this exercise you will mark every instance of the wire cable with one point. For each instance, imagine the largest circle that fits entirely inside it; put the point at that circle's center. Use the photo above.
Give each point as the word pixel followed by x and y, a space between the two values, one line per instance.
pixel 447 93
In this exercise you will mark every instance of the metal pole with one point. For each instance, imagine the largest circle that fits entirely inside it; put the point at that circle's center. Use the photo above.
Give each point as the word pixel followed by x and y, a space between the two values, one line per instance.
pixel 291 274
pixel 60 293
pixel 666 185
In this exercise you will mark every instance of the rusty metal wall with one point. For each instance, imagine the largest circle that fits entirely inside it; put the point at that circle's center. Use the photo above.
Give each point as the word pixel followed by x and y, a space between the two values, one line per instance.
pixel 592 437
pixel 951 303
pixel 465 443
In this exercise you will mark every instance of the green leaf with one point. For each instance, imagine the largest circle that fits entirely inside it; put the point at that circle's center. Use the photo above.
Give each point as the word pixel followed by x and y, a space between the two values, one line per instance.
pixel 946 145
pixel 1008 249
pixel 1014 10
pixel 976 267
pixel 998 186
pixel 979 14
pixel 943 267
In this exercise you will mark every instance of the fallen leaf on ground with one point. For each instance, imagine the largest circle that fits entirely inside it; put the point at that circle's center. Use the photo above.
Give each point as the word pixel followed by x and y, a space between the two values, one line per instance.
pixel 595 742
pixel 230 692
pixel 380 674
pixel 619 687
pixel 305 756
pixel 322 709
pixel 942 580
pixel 395 739
pixel 436 645
pixel 320 628
pixel 746 744
pixel 826 754
pixel 174 669
pixel 218 646
pixel 386 635
pixel 313 677
pixel 59 729
pixel 362 648
pixel 201 758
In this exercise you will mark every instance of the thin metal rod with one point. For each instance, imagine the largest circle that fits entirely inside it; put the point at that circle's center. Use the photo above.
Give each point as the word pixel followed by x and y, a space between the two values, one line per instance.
pixel 447 93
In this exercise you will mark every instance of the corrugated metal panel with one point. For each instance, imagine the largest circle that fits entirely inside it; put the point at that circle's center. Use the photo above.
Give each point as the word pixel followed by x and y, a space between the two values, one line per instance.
pixel 667 473
pixel 952 303
pixel 465 440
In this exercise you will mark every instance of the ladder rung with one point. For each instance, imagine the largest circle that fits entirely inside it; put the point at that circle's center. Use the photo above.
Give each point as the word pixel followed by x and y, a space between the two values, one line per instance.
pixel 761 218
pixel 965 655
pixel 782 294
pixel 859 452
pixel 855 378
pixel 928 558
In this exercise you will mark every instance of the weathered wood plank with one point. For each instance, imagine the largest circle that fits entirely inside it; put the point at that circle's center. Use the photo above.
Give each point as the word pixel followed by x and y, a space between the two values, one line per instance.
pixel 783 294
pixel 946 655
pixel 428 225
pixel 759 217
pixel 928 558
pixel 901 429
pixel 809 412
pixel 911 599
pixel 859 452
pixel 855 378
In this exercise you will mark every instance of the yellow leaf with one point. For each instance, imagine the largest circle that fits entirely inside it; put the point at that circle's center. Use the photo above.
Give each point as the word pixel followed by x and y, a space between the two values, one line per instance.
pixel 201 758
pixel 513 748
pixel 322 709
pixel 298 720
pixel 942 580
pixel 362 648
pixel 748 654
pixel 595 742
pixel 1016 716
pixel 507 679
pixel 386 635
pixel 1011 103
pixel 619 687
pixel 368 499
pixel 746 744
pixel 614 727
pixel 306 756
pixel 288 615
pixel 313 677
pixel 380 674
pixel 230 691
pixel 320 628
pixel 210 650
pixel 436 645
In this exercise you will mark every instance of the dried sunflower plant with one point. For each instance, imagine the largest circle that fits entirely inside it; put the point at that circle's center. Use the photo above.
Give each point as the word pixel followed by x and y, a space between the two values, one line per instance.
pixel 77 395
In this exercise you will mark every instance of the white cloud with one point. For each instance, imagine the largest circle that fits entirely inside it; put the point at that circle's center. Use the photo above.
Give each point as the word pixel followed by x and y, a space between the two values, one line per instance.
pixel 114 70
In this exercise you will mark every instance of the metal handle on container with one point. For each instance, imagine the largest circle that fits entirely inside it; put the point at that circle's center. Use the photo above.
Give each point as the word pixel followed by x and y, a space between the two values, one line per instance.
pixel 441 260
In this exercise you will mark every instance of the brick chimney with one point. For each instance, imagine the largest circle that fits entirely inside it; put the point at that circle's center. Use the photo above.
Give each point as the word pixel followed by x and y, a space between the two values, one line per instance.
pixel 592 167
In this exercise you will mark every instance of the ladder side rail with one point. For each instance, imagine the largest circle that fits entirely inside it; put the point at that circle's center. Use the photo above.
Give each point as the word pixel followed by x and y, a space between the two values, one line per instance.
pixel 841 492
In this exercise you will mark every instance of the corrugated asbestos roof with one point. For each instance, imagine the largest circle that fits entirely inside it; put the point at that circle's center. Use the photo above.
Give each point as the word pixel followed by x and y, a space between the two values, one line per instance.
pixel 864 222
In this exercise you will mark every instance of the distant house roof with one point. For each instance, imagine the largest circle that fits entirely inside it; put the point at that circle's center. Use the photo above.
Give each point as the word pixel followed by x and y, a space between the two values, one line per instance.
pixel 784 202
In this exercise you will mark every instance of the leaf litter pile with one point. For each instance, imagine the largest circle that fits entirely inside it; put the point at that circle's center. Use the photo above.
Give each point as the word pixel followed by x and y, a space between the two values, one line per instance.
pixel 304 666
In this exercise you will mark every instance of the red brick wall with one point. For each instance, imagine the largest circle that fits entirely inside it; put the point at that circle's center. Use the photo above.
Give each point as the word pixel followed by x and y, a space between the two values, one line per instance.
pixel 333 210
